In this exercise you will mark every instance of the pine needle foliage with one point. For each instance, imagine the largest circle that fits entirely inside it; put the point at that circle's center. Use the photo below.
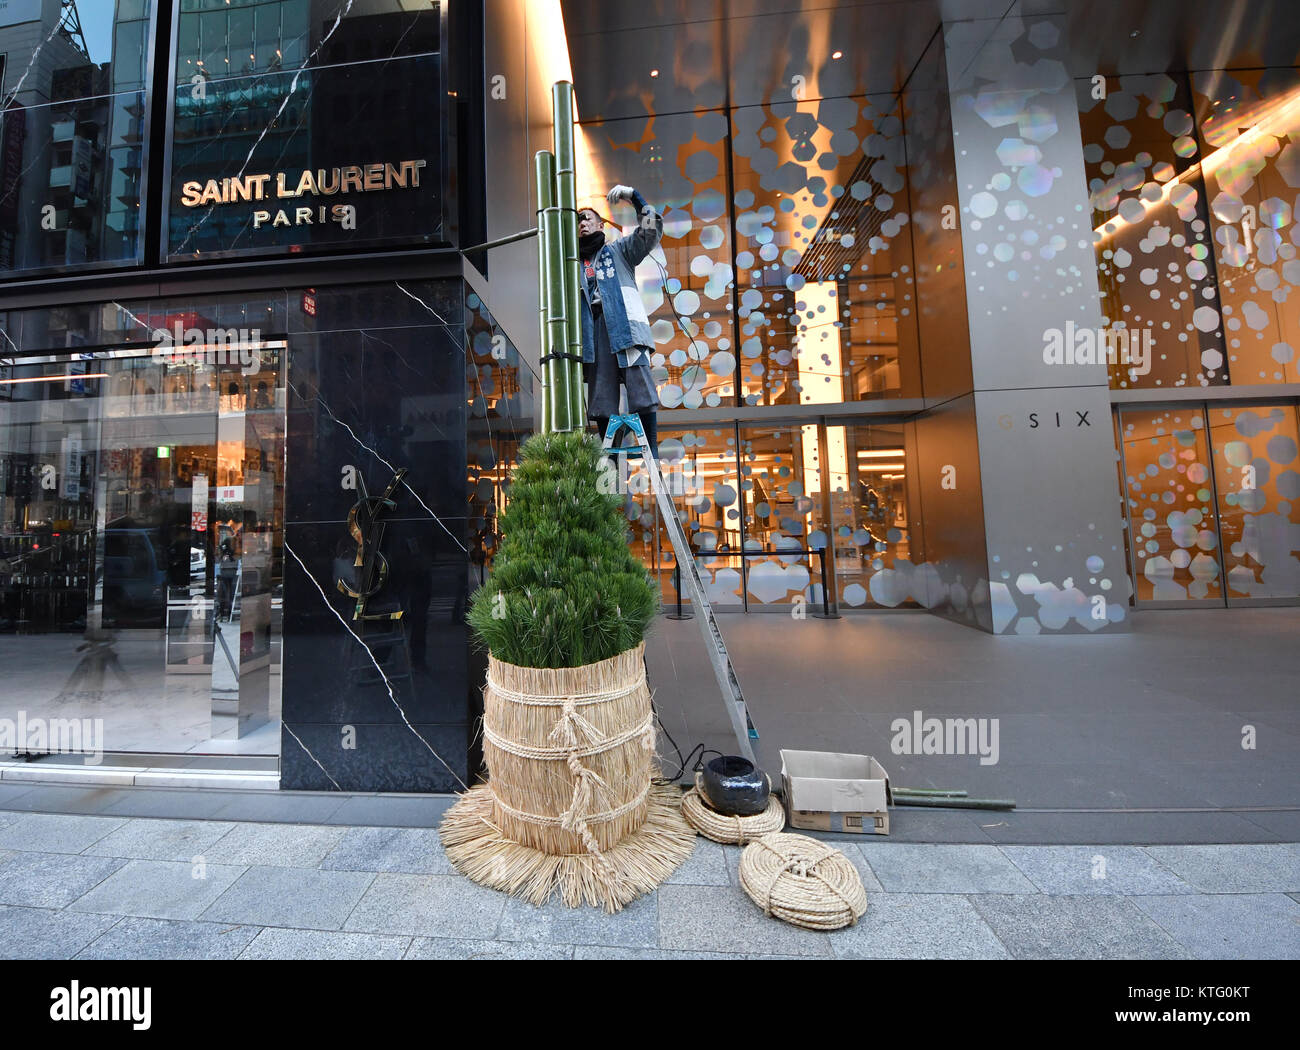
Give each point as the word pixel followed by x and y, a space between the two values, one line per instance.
pixel 565 589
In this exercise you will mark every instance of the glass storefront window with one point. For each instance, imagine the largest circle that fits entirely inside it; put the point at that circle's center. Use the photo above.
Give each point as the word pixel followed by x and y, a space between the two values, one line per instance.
pixel 1171 505
pixel 1257 477
pixel 875 546
pixel 687 283
pixel 1248 125
pixel 823 253
pixel 1155 262
pixel 72 135
pixel 141 533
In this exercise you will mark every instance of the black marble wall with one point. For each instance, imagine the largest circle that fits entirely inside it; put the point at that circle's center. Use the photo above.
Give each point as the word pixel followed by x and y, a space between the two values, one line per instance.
pixel 377 382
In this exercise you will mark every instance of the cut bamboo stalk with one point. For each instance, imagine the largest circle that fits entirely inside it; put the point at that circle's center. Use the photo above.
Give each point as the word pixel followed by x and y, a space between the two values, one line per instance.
pixel 566 199
pixel 929 792
pixel 553 293
pixel 542 179
pixel 954 803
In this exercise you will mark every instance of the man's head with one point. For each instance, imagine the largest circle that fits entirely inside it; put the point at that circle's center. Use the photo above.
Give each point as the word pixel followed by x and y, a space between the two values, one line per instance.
pixel 589 222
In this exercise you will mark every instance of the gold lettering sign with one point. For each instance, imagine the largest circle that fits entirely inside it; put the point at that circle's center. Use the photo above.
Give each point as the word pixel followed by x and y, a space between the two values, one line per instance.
pixel 318 182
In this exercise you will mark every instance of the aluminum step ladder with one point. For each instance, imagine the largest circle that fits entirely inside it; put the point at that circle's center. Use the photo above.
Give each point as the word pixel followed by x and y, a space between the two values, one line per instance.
pixel 728 683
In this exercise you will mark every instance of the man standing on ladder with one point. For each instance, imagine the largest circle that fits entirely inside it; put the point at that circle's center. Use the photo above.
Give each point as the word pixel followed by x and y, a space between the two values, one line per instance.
pixel 616 339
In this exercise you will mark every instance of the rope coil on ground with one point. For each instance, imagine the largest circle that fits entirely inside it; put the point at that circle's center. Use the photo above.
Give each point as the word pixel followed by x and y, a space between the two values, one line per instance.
pixel 729 829
pixel 802 881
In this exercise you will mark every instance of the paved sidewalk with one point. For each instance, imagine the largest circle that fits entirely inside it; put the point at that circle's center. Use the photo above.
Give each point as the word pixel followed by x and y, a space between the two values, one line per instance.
pixel 131 887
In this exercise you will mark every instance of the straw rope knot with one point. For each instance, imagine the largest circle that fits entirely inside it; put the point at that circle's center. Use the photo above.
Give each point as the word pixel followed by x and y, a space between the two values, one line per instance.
pixel 570 727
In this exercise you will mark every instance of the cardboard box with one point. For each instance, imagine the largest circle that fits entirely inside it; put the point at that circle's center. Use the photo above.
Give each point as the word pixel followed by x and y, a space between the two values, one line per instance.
pixel 825 791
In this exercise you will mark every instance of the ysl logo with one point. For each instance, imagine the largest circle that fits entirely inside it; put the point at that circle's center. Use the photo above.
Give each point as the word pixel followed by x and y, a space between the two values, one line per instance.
pixel 370 567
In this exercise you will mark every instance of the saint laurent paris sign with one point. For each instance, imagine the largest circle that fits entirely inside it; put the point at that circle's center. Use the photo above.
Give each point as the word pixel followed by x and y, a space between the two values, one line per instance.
pixel 317 183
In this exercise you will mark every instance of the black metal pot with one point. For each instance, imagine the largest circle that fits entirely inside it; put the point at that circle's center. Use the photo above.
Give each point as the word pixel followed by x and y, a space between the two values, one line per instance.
pixel 734 786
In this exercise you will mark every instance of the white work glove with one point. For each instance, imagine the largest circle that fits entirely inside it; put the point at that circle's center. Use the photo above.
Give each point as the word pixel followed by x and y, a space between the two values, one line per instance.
pixel 619 193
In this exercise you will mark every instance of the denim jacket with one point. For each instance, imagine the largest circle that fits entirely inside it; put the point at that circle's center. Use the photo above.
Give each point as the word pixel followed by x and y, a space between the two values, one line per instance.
pixel 624 313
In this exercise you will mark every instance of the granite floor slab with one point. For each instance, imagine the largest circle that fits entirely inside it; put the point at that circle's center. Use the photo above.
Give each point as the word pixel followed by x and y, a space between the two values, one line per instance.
pixel 417 851
pixel 914 868
pixel 1040 927
pixel 276 845
pixel 1230 925
pixel 175 840
pixel 1263 868
pixel 159 889
pixel 919 926
pixel 427 906
pixel 296 897
pixel 57 832
pixel 52 880
pixel 723 919
pixel 636 925
pixel 134 938
pixel 276 943
pixel 1075 870
pixel 44 933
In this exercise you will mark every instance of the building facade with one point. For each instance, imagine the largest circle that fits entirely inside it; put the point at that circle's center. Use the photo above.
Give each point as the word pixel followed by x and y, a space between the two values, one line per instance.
pixel 982 312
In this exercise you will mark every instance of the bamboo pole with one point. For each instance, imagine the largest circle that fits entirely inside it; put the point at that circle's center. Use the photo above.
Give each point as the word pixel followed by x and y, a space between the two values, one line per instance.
pixel 566 198
pixel 542 179
pixel 558 400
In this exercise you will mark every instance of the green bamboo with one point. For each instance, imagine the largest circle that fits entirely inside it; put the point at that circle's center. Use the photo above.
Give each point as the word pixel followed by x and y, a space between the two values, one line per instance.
pixel 542 178
pixel 929 792
pixel 566 198
pixel 558 400
pixel 954 803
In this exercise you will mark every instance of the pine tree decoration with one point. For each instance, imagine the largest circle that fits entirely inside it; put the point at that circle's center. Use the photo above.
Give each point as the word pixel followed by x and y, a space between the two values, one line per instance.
pixel 571 807
pixel 565 589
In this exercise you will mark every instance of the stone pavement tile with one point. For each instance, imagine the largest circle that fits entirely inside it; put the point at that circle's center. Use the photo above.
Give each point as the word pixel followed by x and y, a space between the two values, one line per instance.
pixel 278 845
pixel 613 953
pixel 1070 870
pixel 414 850
pixel 723 919
pixel 637 925
pixel 1230 925
pixel 90 799
pixel 706 866
pixel 1294 896
pixel 136 938
pixel 1266 868
pixel 297 897
pixel 448 948
pixel 52 880
pixel 159 889
pixel 427 906
pixel 915 824
pixel 288 807
pixel 908 867
pixel 392 811
pixel 274 943
pixel 5 854
pixel 1043 927
pixel 39 933
pixel 918 926
pixel 175 803
pixel 56 832
pixel 148 839
pixel 9 791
